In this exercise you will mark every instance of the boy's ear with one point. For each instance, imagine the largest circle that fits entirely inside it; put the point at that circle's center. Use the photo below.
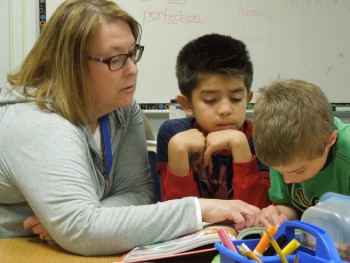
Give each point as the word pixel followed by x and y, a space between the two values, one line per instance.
pixel 186 105
pixel 332 139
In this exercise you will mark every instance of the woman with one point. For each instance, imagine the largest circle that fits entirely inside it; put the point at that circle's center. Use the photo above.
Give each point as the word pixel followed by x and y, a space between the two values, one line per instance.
pixel 73 145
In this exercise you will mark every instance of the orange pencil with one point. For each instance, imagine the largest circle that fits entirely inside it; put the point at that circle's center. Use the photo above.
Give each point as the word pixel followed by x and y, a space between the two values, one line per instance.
pixel 264 241
pixel 249 253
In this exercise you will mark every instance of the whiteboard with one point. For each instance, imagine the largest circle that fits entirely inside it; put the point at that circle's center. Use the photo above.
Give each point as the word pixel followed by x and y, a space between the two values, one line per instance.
pixel 304 39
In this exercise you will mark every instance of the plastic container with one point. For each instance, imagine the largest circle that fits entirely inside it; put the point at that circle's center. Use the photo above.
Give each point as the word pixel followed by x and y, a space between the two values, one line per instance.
pixel 325 250
pixel 331 213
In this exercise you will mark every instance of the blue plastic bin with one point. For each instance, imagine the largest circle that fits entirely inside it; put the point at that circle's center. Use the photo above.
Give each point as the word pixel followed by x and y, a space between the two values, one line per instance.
pixel 325 252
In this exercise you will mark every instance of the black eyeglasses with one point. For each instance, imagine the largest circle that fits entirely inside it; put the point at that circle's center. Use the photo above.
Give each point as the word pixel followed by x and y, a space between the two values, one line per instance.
pixel 117 62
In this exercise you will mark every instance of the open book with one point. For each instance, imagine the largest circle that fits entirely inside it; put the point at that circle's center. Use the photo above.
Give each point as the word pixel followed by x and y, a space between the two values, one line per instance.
pixel 251 232
pixel 180 246
pixel 199 242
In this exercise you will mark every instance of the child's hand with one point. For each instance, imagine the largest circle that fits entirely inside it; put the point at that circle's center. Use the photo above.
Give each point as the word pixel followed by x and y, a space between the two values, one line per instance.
pixel 181 145
pixel 273 215
pixel 234 141
pixel 191 141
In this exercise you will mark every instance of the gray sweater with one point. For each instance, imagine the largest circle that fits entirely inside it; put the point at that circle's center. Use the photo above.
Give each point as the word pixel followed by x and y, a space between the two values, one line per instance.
pixel 53 169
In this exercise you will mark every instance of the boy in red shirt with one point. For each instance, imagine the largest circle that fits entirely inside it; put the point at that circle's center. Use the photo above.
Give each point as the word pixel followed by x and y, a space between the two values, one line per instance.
pixel 211 153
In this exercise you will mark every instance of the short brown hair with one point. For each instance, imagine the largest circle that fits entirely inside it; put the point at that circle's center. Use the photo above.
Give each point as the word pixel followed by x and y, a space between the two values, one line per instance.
pixel 56 67
pixel 293 120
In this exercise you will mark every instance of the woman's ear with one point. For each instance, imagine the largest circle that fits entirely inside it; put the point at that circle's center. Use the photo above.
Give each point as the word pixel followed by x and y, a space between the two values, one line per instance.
pixel 186 105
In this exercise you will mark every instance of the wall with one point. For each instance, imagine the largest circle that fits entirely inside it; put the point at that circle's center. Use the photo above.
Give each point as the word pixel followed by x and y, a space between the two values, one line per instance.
pixel 19 27
pixel 19 31
pixel 307 39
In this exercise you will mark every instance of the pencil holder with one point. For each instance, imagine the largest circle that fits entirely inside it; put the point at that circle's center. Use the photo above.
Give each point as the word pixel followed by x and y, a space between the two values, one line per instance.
pixel 325 250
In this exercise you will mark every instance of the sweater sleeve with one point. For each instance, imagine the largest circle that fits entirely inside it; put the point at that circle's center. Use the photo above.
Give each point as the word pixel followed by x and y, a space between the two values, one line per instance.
pixel 175 187
pixel 51 170
pixel 250 184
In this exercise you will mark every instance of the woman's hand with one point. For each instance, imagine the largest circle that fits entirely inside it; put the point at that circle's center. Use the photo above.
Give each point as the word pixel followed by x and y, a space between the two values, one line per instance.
pixel 37 228
pixel 241 213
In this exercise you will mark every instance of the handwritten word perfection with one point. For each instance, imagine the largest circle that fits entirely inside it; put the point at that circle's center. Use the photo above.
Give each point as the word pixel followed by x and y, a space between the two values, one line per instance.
pixel 168 16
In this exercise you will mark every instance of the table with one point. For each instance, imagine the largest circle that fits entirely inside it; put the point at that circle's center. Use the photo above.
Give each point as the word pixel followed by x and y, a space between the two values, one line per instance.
pixel 33 250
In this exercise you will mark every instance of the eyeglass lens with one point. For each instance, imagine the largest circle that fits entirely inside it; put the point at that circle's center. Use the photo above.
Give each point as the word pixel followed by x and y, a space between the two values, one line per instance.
pixel 119 61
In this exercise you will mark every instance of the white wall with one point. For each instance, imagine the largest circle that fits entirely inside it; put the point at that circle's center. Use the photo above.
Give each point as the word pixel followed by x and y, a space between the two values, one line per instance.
pixel 304 39
pixel 19 28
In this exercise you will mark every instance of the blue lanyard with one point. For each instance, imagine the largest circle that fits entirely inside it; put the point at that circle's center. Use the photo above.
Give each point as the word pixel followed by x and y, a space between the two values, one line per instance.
pixel 107 143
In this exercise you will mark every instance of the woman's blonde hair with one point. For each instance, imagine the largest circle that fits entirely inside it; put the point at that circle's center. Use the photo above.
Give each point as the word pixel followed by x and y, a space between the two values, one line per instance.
pixel 293 120
pixel 56 67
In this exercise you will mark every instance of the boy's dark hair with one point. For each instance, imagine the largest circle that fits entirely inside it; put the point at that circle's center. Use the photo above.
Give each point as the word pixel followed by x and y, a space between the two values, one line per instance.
pixel 212 54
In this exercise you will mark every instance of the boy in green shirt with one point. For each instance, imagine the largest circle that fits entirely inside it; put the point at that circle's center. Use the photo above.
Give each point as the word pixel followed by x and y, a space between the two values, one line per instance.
pixel 306 148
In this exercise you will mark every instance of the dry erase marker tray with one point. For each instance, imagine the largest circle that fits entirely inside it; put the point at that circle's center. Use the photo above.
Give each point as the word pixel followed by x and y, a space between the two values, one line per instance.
pixel 325 249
